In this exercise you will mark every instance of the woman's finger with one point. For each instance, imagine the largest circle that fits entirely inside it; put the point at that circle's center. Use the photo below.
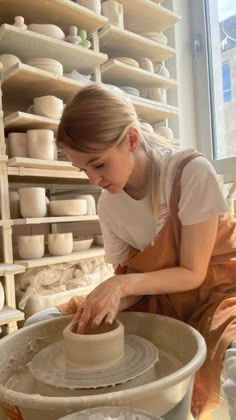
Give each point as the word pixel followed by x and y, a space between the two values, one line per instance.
pixel 84 320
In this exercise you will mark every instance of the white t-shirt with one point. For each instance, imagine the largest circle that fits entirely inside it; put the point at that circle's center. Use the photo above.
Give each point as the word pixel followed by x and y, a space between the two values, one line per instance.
pixel 128 222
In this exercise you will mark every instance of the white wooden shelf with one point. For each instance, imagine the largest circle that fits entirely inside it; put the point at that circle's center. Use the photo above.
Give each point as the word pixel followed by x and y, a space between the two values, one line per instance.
pixel 22 121
pixel 117 73
pixel 5 223
pixel 117 42
pixel 75 256
pixel 30 82
pixel 23 162
pixel 8 315
pixel 151 111
pixel 49 176
pixel 61 219
pixel 8 269
pixel 146 16
pixel 27 45
pixel 59 12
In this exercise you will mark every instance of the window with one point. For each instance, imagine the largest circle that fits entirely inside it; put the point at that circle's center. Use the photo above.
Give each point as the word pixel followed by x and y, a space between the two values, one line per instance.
pixel 213 24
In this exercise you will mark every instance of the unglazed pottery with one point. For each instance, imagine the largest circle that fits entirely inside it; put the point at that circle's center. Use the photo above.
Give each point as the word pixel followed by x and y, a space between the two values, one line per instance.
pixel 146 64
pixel 60 243
pixel 18 146
pixel 68 207
pixel 82 244
pixel 47 29
pixel 20 22
pixel 14 202
pixel 48 106
pixel 73 36
pixel 91 203
pixel 99 240
pixel 8 60
pixel 94 5
pixel 113 10
pixel 156 37
pixel 161 70
pixel 32 202
pixel 41 144
pixel 165 132
pixel 129 61
pixel 2 296
pixel 157 94
pixel 30 247
pixel 47 64
pixel 111 413
pixel 75 75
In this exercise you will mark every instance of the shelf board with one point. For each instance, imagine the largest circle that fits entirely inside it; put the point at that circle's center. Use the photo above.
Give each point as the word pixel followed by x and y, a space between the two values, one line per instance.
pixel 75 256
pixel 117 73
pixel 27 45
pixel 8 315
pixel 117 42
pixel 58 12
pixel 22 162
pixel 43 176
pixel 151 111
pixel 22 121
pixel 8 269
pixel 31 82
pixel 61 219
pixel 147 16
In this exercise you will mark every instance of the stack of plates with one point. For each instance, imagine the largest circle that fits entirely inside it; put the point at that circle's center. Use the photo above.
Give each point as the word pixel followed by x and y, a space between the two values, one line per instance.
pixel 130 90
pixel 127 60
pixel 47 64
pixel 155 36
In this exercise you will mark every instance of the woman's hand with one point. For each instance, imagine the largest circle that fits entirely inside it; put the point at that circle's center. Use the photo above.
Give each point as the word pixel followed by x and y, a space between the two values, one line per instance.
pixel 101 305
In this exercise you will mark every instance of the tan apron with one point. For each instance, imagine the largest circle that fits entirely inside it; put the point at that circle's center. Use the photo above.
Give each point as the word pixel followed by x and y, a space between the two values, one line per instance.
pixel 211 308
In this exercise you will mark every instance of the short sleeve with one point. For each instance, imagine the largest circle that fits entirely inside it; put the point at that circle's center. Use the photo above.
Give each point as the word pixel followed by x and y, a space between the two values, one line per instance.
pixel 201 197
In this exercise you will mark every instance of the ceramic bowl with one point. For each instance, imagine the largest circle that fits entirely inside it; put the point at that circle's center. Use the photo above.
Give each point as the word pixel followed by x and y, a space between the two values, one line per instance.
pixel 68 207
pixel 60 243
pixel 91 203
pixel 47 64
pixel 115 413
pixel 47 29
pixel 30 247
pixel 82 244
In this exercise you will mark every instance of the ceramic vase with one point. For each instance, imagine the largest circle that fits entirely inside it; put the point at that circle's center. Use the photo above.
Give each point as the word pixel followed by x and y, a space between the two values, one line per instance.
pixel 32 202
pixel 20 22
pixel 2 296
pixel 73 36
pixel 60 243
pixel 94 5
pixel 114 12
pixel 41 144
pixel 30 247
pixel 18 146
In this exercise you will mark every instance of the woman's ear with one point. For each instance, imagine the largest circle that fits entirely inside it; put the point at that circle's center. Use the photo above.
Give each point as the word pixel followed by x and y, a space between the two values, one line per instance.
pixel 134 139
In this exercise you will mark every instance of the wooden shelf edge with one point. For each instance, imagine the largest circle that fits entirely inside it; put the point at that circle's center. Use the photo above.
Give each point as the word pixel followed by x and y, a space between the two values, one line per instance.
pixel 9 269
pixel 59 219
pixel 8 314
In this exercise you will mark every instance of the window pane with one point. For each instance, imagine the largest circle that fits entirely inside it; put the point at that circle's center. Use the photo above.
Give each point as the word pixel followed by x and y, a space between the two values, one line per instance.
pixel 221 27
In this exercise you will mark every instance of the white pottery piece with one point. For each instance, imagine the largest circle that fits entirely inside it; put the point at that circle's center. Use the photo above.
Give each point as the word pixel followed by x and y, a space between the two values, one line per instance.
pixel 47 64
pixel 82 244
pixel 94 5
pixel 130 90
pixel 73 36
pixel 91 203
pixel 48 106
pixel 41 144
pixel 60 243
pixel 99 240
pixel 156 37
pixel 32 202
pixel 20 22
pixel 165 132
pixel 75 75
pixel 127 60
pixel 2 296
pixel 14 202
pixel 8 60
pixel 30 247
pixel 114 12
pixel 47 29
pixel 111 413
pixel 146 64
pixel 157 94
pixel 68 207
pixel 161 70
pixel 18 146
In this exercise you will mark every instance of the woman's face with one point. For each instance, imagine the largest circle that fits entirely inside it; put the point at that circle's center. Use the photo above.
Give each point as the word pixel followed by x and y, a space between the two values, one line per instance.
pixel 109 169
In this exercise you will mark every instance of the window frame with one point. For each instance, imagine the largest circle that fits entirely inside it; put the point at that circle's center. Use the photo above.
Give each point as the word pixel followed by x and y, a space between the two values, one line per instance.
pixel 204 97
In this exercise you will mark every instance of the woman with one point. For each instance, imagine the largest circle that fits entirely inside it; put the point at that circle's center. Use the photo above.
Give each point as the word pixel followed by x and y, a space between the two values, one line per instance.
pixel 165 224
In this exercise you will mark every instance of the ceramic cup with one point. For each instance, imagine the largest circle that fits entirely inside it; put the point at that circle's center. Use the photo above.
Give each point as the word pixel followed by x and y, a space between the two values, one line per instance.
pixel 18 145
pixel 60 243
pixel 47 106
pixel 108 340
pixel 14 201
pixel 113 10
pixel 30 247
pixel 94 5
pixel 32 202
pixel 41 144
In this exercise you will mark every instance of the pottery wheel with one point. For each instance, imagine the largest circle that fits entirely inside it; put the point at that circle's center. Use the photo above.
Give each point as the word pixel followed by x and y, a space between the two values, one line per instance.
pixel 49 366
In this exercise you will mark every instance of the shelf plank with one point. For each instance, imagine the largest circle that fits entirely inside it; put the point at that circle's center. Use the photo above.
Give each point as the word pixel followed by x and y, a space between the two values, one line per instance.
pixel 58 12
pixel 153 112
pixel 27 45
pixel 59 219
pixel 30 82
pixel 22 121
pixel 45 176
pixel 8 315
pixel 22 162
pixel 147 16
pixel 8 269
pixel 121 74
pixel 117 42
pixel 75 256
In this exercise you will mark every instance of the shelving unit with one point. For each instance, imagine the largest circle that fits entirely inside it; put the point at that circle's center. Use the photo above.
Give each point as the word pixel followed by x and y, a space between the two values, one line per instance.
pixel 59 219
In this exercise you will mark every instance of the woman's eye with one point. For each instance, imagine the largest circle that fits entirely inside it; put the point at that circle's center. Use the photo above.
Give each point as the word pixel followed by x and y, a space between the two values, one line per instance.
pixel 101 165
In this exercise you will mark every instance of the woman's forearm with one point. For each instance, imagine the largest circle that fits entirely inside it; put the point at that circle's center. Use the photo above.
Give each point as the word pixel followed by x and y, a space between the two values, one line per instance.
pixel 128 301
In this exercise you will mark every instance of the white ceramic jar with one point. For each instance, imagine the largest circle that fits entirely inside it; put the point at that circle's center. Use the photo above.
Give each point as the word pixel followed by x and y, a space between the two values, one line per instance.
pixel 113 10
pixel 18 146
pixel 30 247
pixel 41 144
pixel 47 106
pixel 94 5
pixel 60 243
pixel 33 202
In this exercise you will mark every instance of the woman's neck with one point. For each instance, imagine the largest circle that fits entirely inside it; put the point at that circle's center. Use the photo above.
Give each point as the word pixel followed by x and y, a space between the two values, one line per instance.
pixel 136 186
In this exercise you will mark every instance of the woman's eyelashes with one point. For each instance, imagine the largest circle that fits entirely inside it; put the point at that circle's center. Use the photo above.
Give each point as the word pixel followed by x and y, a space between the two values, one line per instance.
pixel 99 166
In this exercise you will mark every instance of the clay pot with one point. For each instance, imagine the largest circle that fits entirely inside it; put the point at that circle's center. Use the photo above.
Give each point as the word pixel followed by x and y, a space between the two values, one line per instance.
pixel 68 207
pixel 30 247
pixel 102 347
pixel 82 244
pixel 91 203
pixel 146 64
pixel 94 5
pixel 20 22
pixel 46 29
pixel 157 94
pixel 99 240
pixel 2 296
pixel 161 70
pixel 47 64
pixel 114 12
pixel 47 106
pixel 18 146
pixel 41 144
pixel 33 202
pixel 165 132
pixel 73 36
pixel 60 243
pixel 14 201
pixel 8 60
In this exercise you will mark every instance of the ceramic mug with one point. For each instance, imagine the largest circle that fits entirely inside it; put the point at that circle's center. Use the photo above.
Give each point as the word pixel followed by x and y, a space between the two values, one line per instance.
pixel 30 247
pixel 94 5
pixel 33 202
pixel 17 145
pixel 113 10
pixel 47 106
pixel 60 243
pixel 41 144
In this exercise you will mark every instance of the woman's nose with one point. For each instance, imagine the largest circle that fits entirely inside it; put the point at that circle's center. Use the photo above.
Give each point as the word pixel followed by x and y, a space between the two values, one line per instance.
pixel 94 178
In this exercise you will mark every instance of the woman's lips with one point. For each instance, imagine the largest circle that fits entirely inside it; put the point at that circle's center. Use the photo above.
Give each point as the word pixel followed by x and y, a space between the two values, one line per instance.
pixel 105 187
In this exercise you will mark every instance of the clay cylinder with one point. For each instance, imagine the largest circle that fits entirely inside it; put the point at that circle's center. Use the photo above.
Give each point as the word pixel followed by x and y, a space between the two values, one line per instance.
pixel 32 202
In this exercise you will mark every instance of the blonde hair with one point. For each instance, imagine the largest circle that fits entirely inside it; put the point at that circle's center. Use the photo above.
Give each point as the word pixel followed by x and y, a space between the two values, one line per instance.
pixel 94 121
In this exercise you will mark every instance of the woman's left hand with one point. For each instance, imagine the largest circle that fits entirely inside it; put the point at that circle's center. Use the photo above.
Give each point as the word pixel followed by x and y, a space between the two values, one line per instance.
pixel 101 305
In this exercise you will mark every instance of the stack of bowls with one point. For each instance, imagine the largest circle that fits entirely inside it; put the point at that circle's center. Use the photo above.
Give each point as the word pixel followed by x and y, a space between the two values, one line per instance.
pixel 47 64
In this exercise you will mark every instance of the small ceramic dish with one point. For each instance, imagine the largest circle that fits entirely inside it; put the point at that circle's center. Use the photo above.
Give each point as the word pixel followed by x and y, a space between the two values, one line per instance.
pixel 68 207
pixel 82 244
